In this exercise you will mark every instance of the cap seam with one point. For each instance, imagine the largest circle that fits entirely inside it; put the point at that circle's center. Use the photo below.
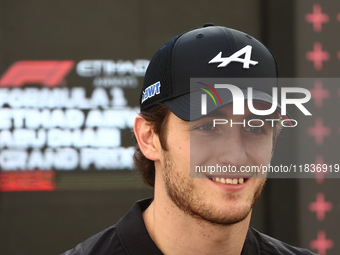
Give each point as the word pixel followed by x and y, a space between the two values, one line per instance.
pixel 227 33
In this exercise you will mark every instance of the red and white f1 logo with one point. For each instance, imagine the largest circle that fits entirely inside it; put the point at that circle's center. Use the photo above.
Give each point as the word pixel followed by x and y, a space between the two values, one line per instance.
pixel 49 73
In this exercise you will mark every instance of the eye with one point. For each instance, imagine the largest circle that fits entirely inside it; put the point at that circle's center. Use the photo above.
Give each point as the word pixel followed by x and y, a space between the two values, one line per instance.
pixel 206 127
pixel 255 130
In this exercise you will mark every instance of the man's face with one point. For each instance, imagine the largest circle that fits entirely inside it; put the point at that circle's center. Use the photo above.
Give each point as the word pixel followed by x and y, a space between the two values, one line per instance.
pixel 200 144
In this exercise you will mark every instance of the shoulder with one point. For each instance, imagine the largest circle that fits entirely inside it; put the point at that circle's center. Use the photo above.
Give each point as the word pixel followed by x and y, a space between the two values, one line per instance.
pixel 105 242
pixel 128 236
pixel 270 245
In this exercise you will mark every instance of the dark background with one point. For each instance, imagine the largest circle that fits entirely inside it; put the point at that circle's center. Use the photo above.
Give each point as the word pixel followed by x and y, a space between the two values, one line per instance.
pixel 52 222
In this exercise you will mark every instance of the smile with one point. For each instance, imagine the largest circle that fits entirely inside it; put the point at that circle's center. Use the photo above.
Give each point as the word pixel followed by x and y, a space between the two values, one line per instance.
pixel 232 181
pixel 229 181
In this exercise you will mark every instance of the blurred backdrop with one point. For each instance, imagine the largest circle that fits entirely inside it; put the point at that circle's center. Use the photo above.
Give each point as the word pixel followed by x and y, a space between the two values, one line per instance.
pixel 70 77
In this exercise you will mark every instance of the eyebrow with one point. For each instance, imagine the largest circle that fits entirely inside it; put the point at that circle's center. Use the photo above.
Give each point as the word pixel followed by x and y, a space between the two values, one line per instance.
pixel 216 114
pixel 261 117
pixel 220 114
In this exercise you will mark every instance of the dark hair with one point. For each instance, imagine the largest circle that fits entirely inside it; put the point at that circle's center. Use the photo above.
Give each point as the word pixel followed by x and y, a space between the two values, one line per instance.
pixel 157 117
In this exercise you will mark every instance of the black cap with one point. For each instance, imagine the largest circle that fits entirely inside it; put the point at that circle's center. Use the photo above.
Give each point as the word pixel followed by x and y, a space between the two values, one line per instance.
pixel 203 52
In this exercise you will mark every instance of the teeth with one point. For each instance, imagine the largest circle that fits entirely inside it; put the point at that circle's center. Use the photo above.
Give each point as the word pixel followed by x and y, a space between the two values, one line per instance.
pixel 229 181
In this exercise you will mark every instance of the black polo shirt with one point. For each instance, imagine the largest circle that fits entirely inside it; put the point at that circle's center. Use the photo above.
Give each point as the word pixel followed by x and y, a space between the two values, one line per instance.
pixel 130 237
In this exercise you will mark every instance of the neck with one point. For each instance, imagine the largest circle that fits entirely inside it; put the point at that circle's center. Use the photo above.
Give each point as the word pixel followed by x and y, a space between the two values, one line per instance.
pixel 175 232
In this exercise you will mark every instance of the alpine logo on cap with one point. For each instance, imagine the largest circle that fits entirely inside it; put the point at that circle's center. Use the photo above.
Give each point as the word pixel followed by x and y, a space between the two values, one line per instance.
pixel 236 58
pixel 152 90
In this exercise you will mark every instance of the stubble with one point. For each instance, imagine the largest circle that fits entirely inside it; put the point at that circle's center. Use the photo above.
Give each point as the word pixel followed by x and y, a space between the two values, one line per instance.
pixel 184 194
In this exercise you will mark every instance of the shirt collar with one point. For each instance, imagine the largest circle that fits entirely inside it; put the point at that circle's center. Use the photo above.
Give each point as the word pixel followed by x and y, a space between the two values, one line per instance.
pixel 135 238
pixel 132 232
pixel 251 246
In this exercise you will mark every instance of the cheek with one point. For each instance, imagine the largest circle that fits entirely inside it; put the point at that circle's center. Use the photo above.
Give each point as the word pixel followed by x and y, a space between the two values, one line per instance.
pixel 260 152
pixel 201 151
pixel 179 148
pixel 183 154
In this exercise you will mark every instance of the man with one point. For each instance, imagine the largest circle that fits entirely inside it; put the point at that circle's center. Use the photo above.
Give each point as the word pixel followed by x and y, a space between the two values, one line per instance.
pixel 175 134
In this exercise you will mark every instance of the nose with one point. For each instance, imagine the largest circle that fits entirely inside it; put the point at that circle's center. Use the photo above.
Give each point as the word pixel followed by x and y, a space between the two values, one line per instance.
pixel 231 149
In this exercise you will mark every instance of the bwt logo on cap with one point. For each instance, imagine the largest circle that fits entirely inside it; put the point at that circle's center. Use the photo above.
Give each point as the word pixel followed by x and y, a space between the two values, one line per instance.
pixel 152 90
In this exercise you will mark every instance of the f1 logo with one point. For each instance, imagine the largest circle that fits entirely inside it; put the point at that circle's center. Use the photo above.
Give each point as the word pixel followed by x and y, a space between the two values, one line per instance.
pixel 48 73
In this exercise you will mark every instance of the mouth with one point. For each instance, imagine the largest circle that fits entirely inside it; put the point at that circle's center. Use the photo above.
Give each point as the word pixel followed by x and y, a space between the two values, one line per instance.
pixel 229 181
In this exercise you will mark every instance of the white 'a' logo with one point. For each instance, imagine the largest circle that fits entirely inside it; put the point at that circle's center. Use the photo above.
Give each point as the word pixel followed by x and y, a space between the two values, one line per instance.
pixel 235 58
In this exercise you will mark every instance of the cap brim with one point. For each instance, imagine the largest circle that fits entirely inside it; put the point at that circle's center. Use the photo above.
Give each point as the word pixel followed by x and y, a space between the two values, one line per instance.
pixel 188 107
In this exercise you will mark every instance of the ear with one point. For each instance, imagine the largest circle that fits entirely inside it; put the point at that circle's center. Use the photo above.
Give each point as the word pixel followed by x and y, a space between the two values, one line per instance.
pixel 147 139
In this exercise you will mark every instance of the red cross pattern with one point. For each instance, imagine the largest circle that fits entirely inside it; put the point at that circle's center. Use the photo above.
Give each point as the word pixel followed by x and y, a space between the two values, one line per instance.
pixel 320 206
pixel 317 56
pixel 321 244
pixel 319 93
pixel 319 164
pixel 317 18
pixel 319 131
